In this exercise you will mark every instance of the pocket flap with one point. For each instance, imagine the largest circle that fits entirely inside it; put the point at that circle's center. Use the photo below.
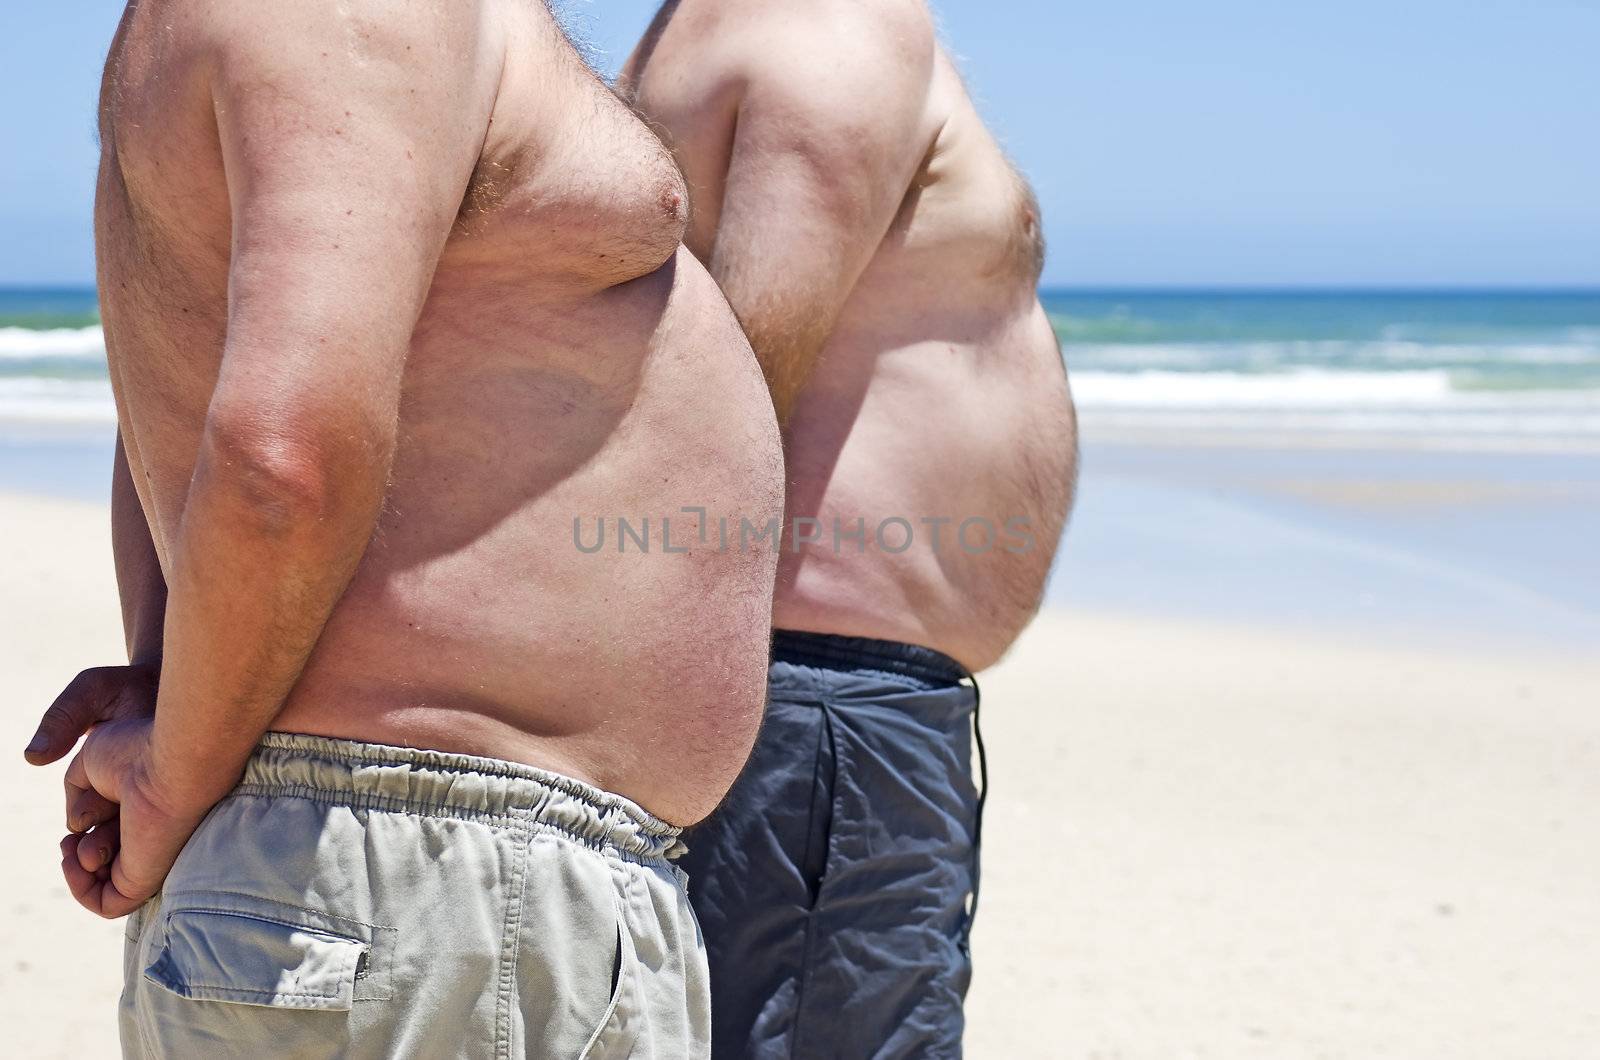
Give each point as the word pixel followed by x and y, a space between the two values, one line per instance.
pixel 269 956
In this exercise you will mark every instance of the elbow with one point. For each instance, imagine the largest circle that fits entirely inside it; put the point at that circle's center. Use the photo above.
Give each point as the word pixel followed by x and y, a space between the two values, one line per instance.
pixel 283 477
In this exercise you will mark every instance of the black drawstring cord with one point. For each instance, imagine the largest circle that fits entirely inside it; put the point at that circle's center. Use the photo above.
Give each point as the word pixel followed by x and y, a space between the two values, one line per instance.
pixel 983 795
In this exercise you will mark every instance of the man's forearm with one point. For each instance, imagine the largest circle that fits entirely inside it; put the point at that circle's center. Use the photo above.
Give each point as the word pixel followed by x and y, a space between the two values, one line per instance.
pixel 268 544
pixel 140 583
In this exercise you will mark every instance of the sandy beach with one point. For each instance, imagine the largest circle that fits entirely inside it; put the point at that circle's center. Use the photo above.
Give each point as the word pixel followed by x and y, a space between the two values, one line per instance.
pixel 1204 840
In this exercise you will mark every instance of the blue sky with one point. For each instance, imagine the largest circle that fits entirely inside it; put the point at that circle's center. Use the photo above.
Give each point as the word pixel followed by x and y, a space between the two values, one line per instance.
pixel 1235 142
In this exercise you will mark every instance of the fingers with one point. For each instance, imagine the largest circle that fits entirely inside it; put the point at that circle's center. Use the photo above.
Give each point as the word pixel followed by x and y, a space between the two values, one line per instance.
pixel 80 881
pixel 124 842
pixel 97 849
pixel 101 892
pixel 86 700
pixel 94 773
pixel 87 808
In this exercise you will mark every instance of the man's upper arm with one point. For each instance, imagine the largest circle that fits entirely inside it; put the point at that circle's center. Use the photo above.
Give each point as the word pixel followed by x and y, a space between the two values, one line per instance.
pixel 348 134
pixel 830 132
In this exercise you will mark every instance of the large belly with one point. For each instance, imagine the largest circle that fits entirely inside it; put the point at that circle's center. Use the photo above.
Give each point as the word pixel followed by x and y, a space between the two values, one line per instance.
pixel 939 475
pixel 503 609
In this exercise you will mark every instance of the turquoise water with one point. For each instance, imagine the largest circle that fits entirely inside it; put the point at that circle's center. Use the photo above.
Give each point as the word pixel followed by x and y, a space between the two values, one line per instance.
pixel 1504 370
pixel 1480 340
pixel 48 307
pixel 50 345
pixel 1223 316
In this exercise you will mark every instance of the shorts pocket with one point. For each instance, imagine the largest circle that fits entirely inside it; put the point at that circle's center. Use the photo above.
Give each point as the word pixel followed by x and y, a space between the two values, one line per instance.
pixel 818 853
pixel 220 946
pixel 618 1031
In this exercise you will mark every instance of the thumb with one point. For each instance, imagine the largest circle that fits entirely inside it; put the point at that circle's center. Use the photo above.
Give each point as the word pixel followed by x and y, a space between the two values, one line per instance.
pixel 85 701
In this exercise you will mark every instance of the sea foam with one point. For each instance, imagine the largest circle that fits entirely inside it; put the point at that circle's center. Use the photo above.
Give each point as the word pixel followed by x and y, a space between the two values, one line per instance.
pixel 36 344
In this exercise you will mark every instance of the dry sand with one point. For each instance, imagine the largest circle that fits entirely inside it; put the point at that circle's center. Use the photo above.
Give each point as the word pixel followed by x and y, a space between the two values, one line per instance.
pixel 1202 841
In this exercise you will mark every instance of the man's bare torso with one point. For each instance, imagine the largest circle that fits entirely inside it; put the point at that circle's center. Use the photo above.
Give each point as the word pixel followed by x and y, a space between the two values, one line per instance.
pixel 559 369
pixel 939 397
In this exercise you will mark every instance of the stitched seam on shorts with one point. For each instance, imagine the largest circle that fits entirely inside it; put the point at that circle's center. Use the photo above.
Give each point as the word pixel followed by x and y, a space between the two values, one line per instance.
pixel 187 990
pixel 177 896
pixel 508 945
pixel 141 984
pixel 144 1032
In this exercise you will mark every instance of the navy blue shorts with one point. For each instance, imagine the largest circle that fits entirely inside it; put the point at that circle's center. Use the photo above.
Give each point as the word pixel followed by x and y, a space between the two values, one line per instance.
pixel 833 884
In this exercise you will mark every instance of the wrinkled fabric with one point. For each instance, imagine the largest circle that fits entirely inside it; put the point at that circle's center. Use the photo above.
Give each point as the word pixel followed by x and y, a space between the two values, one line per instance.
pixel 358 900
pixel 832 885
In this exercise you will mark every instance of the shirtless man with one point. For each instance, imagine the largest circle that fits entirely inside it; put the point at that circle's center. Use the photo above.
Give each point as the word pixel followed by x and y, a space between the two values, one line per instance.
pixel 883 257
pixel 392 293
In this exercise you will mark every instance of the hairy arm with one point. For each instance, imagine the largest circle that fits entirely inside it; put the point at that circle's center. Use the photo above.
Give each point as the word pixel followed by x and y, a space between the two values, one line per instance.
pixel 139 580
pixel 348 133
pixel 830 132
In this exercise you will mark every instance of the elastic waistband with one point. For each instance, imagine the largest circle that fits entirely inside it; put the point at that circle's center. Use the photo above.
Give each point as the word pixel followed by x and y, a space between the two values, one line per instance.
pixel 434 783
pixel 828 652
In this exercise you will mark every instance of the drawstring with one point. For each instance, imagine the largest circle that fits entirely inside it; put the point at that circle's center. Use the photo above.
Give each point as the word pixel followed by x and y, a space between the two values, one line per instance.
pixel 983 795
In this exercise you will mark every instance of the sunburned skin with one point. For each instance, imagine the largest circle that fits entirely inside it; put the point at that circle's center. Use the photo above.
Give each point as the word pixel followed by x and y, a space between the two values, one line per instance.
pixel 904 342
pixel 570 360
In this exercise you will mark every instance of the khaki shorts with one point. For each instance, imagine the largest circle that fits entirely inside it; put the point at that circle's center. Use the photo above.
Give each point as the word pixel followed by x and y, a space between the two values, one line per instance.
pixel 357 900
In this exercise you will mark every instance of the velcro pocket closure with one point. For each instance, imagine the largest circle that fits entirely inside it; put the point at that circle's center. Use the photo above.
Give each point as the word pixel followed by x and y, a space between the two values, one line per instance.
pixel 218 946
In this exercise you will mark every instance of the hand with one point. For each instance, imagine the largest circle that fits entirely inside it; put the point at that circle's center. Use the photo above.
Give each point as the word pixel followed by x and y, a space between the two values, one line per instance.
pixel 104 693
pixel 126 831
pixel 109 790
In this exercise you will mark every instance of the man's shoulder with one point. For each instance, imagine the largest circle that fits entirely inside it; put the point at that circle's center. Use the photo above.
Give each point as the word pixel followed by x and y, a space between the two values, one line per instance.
pixel 832 59
pixel 188 80
pixel 769 40
pixel 162 38
pixel 779 36
pixel 842 74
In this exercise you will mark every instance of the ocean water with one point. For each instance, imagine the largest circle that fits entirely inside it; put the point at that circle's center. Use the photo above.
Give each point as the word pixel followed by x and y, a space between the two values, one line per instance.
pixel 1498 369
pixel 1501 370
pixel 52 360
